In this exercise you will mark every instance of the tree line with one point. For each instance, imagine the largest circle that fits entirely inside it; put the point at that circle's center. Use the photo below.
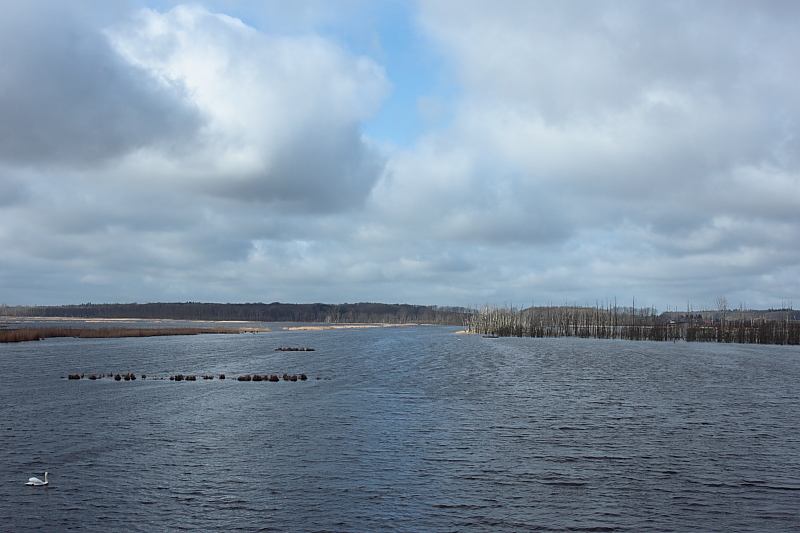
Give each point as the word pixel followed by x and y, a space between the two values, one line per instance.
pixel 255 312
pixel 632 323
pixel 609 321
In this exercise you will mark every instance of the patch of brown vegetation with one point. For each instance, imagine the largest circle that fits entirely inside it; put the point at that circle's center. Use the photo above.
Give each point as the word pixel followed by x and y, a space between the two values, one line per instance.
pixel 35 334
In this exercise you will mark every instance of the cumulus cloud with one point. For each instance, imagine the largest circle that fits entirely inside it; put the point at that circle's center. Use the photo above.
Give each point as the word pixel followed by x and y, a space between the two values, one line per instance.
pixel 591 150
pixel 668 133
pixel 623 101
pixel 66 97
pixel 152 154
pixel 283 111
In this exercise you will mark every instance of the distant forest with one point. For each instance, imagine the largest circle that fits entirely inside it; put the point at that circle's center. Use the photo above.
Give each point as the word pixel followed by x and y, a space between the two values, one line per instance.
pixel 772 326
pixel 257 312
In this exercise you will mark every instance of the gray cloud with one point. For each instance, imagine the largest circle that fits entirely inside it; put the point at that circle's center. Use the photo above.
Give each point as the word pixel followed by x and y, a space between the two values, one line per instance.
pixel 322 170
pixel 283 111
pixel 595 150
pixel 13 189
pixel 667 132
pixel 68 97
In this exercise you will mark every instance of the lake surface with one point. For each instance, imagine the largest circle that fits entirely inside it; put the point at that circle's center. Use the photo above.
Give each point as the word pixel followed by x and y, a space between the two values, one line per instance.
pixel 416 429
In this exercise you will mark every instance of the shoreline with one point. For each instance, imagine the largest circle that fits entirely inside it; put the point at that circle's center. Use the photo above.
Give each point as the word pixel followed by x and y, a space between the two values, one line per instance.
pixel 348 326
pixel 25 334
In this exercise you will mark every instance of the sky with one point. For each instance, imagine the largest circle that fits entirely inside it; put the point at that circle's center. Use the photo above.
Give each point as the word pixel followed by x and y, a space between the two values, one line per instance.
pixel 437 152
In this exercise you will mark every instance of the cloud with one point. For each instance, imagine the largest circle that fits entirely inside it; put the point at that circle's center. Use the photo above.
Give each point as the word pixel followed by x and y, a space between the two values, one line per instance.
pixel 588 151
pixel 68 98
pixel 450 189
pixel 617 101
pixel 664 137
pixel 155 154
pixel 283 111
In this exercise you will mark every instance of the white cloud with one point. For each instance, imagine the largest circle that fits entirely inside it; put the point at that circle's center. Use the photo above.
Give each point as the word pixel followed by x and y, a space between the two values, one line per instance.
pixel 66 98
pixel 283 111
pixel 666 132
pixel 594 150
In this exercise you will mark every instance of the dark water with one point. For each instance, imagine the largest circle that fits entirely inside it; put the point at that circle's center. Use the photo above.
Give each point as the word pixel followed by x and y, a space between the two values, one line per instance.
pixel 418 429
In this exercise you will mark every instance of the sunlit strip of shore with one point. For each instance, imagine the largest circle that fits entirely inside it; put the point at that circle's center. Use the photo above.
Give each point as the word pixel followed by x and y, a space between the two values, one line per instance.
pixel 345 326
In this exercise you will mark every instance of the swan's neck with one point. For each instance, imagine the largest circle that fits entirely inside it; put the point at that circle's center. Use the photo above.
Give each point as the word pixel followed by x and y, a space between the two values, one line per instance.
pixel 45 477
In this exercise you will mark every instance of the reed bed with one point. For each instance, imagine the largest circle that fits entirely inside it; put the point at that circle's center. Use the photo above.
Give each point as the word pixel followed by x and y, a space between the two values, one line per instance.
pixel 35 334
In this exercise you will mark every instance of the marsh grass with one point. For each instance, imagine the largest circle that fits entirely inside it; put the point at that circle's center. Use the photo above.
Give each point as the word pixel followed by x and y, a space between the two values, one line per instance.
pixel 35 334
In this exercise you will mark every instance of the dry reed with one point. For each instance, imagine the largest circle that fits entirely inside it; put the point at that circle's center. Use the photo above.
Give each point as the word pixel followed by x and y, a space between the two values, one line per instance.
pixel 35 334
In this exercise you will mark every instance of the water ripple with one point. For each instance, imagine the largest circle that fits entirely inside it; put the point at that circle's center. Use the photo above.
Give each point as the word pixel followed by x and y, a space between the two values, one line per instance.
pixel 416 429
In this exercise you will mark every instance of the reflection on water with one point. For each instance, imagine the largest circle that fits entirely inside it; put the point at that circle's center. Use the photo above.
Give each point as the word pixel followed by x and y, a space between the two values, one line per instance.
pixel 418 429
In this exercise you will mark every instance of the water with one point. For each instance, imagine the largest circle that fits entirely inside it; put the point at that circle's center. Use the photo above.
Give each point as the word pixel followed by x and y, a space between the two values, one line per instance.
pixel 417 429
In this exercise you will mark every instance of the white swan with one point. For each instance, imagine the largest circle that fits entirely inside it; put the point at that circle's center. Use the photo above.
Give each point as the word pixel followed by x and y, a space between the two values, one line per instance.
pixel 35 481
